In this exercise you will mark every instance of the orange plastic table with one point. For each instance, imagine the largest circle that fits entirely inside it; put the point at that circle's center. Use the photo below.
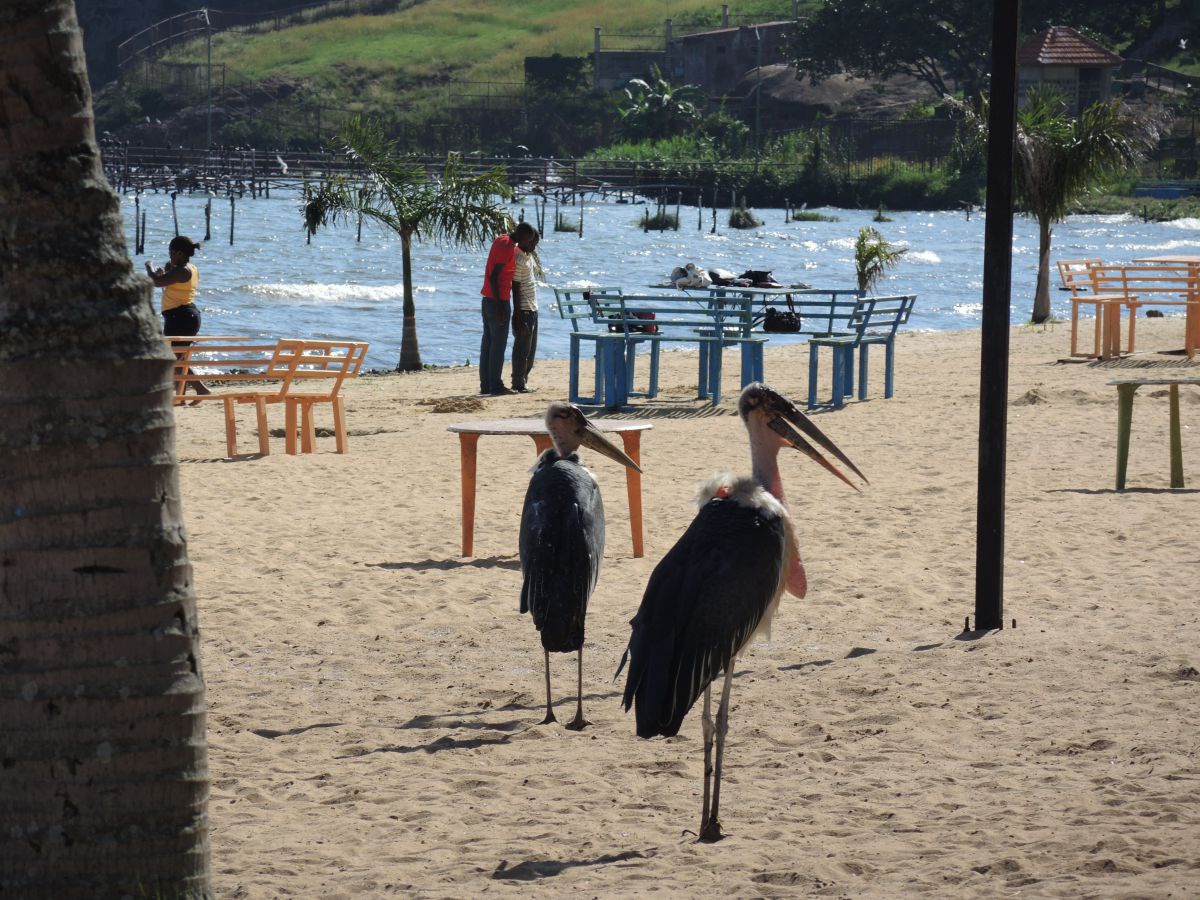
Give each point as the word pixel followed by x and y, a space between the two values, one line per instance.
pixel 469 433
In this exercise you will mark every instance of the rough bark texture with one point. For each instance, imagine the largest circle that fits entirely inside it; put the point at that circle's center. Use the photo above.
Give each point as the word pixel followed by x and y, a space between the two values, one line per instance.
pixel 1041 297
pixel 410 350
pixel 103 770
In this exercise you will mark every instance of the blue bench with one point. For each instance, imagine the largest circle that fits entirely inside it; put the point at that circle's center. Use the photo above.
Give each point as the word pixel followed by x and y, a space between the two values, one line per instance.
pixel 875 321
pixel 712 323
pixel 575 305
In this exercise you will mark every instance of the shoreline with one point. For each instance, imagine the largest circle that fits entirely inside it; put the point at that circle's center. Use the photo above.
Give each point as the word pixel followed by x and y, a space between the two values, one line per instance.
pixel 373 695
pixel 1050 325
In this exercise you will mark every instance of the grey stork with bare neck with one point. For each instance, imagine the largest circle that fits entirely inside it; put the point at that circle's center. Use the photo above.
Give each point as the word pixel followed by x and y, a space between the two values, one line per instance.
pixel 562 540
pixel 720 585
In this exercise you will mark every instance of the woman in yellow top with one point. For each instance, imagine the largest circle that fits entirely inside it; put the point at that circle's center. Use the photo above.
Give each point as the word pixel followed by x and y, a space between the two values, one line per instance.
pixel 179 279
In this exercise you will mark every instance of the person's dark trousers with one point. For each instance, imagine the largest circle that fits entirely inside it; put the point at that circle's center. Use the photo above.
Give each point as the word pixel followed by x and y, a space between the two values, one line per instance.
pixel 496 315
pixel 525 330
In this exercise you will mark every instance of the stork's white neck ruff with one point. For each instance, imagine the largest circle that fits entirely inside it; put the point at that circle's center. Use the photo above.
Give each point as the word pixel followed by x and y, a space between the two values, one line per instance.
pixel 745 491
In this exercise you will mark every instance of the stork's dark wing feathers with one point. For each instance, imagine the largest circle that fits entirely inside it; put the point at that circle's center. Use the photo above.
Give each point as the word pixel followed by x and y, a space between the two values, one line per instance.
pixel 703 603
pixel 562 545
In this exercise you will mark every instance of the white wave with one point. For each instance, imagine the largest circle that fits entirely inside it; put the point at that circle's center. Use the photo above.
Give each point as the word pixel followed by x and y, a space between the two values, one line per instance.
pixel 1180 244
pixel 924 256
pixel 317 292
pixel 1192 224
pixel 808 246
pixel 1106 218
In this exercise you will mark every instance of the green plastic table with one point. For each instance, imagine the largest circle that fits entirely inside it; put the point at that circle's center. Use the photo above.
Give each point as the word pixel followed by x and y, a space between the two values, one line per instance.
pixel 1126 387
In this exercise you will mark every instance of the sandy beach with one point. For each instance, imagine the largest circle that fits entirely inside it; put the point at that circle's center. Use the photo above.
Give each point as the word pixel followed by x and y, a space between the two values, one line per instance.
pixel 374 695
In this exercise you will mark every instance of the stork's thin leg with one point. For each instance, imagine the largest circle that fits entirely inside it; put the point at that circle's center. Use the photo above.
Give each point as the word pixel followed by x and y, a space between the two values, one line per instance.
pixel 549 708
pixel 706 727
pixel 579 722
pixel 711 830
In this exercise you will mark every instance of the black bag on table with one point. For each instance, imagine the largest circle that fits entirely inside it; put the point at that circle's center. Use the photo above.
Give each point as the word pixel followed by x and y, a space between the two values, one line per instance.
pixel 781 321
pixel 760 278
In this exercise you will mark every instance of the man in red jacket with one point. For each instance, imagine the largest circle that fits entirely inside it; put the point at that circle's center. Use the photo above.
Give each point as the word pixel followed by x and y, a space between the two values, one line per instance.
pixel 497 305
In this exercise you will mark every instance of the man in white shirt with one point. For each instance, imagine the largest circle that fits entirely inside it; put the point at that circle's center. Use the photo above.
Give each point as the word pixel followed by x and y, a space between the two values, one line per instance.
pixel 525 318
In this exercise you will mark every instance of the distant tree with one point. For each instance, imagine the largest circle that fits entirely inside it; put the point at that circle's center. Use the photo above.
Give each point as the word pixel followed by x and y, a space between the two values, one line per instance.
pixel 655 108
pixel 104 777
pixel 458 208
pixel 937 41
pixel 1059 158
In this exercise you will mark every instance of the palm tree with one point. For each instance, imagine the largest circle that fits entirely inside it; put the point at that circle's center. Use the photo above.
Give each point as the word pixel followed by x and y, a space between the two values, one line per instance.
pixel 459 208
pixel 102 710
pixel 873 256
pixel 1059 158
pixel 656 108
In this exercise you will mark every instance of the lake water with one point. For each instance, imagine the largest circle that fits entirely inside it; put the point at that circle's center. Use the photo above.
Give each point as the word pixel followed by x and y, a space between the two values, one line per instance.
pixel 270 283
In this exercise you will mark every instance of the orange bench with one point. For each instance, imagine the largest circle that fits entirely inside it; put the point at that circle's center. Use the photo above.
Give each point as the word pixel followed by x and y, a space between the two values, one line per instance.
pixel 296 373
pixel 1114 289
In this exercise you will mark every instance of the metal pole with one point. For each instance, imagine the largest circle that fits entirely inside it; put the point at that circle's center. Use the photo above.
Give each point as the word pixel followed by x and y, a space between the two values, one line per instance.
pixel 757 100
pixel 208 36
pixel 997 291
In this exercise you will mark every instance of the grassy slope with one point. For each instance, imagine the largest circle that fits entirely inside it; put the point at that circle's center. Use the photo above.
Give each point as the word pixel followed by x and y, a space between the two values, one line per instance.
pixel 395 59
pixel 381 58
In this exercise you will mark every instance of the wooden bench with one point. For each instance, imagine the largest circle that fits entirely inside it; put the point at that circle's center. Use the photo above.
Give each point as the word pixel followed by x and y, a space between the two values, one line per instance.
pixel 1070 270
pixel 711 322
pixel 296 373
pixel 1116 289
pixel 1126 387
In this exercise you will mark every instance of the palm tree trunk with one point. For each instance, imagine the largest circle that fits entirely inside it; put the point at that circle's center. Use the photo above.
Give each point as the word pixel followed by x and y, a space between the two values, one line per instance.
pixel 1041 298
pixel 104 778
pixel 410 350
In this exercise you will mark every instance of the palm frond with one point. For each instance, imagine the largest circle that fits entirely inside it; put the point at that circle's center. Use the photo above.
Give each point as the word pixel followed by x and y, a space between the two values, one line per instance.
pixel 458 207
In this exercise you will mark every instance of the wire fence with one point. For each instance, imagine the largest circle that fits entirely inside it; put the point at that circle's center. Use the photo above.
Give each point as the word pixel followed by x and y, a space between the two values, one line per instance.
pixel 156 39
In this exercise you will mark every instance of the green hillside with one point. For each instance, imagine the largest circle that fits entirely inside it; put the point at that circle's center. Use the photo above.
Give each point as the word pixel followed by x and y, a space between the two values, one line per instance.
pixel 394 59
pixel 450 74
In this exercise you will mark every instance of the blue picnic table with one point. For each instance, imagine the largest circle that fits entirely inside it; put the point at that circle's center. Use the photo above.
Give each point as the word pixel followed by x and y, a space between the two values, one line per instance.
pixel 617 324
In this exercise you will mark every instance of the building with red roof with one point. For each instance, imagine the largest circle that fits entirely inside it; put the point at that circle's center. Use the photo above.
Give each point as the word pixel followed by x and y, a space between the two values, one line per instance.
pixel 1076 66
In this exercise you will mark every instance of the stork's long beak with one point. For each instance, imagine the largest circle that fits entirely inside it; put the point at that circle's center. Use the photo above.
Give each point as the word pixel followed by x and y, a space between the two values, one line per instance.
pixel 592 438
pixel 793 426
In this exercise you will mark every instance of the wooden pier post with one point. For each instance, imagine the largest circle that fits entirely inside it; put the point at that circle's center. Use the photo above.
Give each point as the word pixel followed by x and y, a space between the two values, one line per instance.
pixel 174 212
pixel 232 213
pixel 208 219
pixel 142 248
pixel 581 203
pixel 137 224
pixel 678 203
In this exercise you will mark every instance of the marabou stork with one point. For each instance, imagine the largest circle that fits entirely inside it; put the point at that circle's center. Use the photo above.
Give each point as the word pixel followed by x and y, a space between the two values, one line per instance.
pixel 720 585
pixel 562 539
